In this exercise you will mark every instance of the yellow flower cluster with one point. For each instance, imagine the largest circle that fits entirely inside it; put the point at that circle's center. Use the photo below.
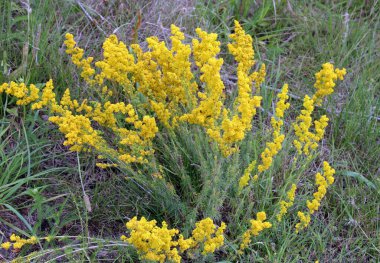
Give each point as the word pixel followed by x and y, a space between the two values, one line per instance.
pixel 244 180
pixel 304 221
pixel 233 128
pixel 105 165
pixel 323 181
pixel 325 81
pixel 176 78
pixel 208 48
pixel 17 242
pixel 273 147
pixel 24 94
pixel 282 104
pixel 285 205
pixel 117 63
pixel 76 121
pixel 208 111
pixel 206 233
pixel 307 140
pixel 257 225
pixel 77 130
pixel 47 98
pixel 160 244
pixel 153 242
pixel 77 57
pixel 164 76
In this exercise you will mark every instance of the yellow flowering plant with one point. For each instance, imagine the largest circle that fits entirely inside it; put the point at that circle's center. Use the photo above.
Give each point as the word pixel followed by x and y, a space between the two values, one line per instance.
pixel 169 129
pixel 17 242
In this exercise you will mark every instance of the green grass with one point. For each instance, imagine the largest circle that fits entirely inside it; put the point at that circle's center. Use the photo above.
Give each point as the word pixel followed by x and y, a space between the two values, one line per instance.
pixel 44 188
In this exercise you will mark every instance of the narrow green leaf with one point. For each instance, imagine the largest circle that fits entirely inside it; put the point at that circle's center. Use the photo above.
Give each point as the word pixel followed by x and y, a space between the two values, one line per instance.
pixel 359 177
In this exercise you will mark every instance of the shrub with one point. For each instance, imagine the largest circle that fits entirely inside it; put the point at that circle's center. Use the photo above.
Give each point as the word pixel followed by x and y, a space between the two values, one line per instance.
pixel 163 117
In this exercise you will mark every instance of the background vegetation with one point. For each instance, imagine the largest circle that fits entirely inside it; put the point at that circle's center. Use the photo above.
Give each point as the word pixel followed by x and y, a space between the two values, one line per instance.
pixel 47 190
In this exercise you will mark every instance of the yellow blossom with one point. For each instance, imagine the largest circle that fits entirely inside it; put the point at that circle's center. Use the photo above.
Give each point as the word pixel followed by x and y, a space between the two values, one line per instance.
pixel 77 58
pixel 257 225
pixel 285 205
pixel 274 146
pixel 17 242
pixel 159 244
pixel 245 178
pixel 325 81
pixel 153 242
pixel 47 97
pixel 304 221
pixel 6 245
pixel 206 233
pixel 24 94
pixel 106 165
pixel 322 181
pixel 186 244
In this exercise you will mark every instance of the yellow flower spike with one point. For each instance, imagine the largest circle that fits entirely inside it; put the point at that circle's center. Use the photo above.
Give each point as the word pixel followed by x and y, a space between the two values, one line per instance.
pixel 205 49
pixel 105 165
pixel 322 181
pixel 257 225
pixel 233 128
pixel 285 205
pixel 209 109
pixel 243 182
pixel 282 104
pixel 205 233
pixel 273 147
pixel 186 90
pixel 14 238
pixel 304 221
pixel 163 114
pixel 25 95
pixel 326 80
pixel 306 140
pixel 153 242
pixel 33 240
pixel 66 101
pixel 47 98
pixel 242 48
pixel 6 245
pixel 260 77
pixel 328 172
pixel 76 54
